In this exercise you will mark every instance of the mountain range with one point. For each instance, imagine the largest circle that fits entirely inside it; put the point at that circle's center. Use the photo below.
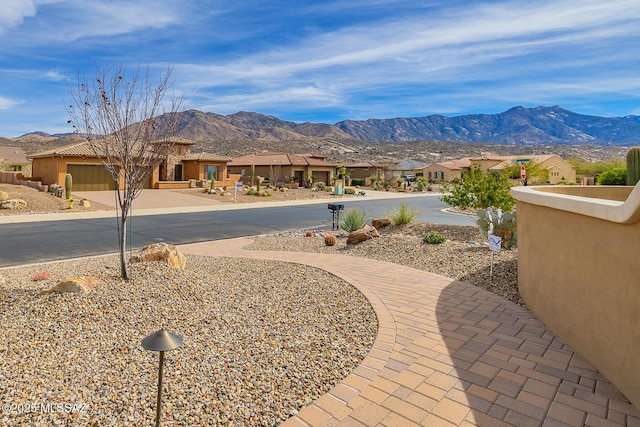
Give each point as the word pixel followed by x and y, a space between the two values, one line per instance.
pixel 243 132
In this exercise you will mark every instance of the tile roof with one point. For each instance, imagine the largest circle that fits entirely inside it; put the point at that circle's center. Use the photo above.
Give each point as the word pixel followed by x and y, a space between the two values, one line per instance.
pixel 13 155
pixel 206 157
pixel 77 149
pixel 280 159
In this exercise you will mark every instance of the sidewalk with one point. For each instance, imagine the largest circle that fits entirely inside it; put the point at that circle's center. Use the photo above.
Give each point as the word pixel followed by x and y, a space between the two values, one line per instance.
pixel 159 202
pixel 449 354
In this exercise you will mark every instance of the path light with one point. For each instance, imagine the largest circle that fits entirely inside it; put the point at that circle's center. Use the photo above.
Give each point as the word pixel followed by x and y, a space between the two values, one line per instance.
pixel 161 341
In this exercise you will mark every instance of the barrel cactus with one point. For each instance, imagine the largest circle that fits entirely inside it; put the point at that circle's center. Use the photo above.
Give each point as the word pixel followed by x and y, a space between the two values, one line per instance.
pixel 498 223
pixel 633 166
pixel 330 240
pixel 68 184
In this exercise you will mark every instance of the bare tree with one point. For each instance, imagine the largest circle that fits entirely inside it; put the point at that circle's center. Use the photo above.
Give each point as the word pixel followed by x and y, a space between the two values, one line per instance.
pixel 118 114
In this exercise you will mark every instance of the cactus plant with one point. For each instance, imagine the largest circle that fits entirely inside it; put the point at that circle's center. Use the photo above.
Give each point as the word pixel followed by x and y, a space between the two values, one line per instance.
pixel 253 173
pixel 308 233
pixel 498 223
pixel 633 166
pixel 68 184
pixel 330 240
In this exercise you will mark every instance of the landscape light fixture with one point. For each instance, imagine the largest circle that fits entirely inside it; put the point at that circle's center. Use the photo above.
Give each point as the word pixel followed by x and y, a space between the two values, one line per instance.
pixel 161 341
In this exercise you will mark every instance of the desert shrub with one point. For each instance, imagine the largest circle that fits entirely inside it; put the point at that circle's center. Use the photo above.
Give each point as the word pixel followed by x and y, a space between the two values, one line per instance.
pixel 478 190
pixel 252 192
pixel 321 186
pixel 349 190
pixel 353 219
pixel 433 238
pixel 498 223
pixel 616 176
pixel 330 240
pixel 403 215
pixel 357 181
pixel 268 193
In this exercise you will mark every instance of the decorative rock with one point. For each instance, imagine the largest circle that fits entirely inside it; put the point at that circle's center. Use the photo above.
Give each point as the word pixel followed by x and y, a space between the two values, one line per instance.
pixel 365 233
pixel 13 204
pixel 381 223
pixel 85 203
pixel 74 285
pixel 3 195
pixel 161 252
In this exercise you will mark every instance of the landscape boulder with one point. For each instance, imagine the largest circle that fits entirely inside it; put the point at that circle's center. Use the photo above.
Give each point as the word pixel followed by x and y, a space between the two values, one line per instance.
pixel 85 203
pixel 365 233
pixel 13 204
pixel 161 252
pixel 73 285
pixel 381 223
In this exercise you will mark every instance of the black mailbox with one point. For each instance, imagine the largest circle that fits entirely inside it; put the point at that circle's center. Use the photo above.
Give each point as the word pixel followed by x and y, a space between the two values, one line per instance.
pixel 335 209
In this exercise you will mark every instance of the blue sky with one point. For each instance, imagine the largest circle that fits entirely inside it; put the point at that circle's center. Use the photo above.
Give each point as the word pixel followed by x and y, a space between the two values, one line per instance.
pixel 327 61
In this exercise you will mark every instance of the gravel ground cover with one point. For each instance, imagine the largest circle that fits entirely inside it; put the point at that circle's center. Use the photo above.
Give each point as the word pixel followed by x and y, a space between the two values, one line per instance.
pixel 465 254
pixel 261 340
pixel 39 202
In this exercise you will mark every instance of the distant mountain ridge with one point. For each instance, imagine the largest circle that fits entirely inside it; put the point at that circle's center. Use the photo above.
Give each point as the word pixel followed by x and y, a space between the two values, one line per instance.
pixel 518 125
pixel 244 132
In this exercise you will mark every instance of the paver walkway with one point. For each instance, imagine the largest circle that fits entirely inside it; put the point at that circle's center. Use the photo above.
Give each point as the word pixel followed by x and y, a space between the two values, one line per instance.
pixel 449 353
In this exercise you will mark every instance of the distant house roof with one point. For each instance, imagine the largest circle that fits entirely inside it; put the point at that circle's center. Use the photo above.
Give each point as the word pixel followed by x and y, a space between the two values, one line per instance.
pixel 77 149
pixel 280 159
pixel 459 164
pixel 206 157
pixel 13 155
pixel 407 165
pixel 363 165
pixel 84 149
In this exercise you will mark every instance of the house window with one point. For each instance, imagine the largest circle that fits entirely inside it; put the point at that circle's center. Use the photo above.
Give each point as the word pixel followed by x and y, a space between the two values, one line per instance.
pixel 212 172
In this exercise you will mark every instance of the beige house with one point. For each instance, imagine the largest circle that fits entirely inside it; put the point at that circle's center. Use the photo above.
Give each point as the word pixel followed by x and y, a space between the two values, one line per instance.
pixel 179 170
pixel 559 169
pixel 282 167
pixel 364 170
pixel 447 171
pixel 13 159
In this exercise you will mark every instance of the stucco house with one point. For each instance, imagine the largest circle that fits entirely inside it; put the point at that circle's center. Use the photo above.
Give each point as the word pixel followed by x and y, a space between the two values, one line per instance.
pixel 13 159
pixel 178 170
pixel 447 171
pixel 559 169
pixel 282 167
pixel 364 170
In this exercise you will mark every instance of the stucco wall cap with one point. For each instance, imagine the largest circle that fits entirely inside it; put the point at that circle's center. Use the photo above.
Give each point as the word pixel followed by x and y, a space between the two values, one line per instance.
pixel 627 212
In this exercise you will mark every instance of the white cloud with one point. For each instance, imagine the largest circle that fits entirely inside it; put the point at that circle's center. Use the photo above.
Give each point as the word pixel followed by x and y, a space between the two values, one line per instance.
pixel 7 103
pixel 13 12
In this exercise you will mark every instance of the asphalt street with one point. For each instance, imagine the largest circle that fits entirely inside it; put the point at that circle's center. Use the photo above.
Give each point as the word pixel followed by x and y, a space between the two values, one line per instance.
pixel 43 241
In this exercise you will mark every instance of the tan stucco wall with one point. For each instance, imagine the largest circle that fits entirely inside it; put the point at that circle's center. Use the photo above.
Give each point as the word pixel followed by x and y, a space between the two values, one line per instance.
pixel 449 174
pixel 580 274
pixel 50 170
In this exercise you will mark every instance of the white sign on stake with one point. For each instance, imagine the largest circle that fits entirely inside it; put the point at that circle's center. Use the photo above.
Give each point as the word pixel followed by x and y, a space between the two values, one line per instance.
pixel 235 191
pixel 495 243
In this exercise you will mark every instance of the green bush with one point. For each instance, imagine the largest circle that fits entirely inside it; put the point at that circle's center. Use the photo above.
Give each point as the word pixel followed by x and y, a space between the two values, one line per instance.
pixel 321 186
pixel 433 238
pixel 357 181
pixel 616 176
pixel 268 193
pixel 348 190
pixel 403 215
pixel 478 190
pixel 353 219
pixel 252 192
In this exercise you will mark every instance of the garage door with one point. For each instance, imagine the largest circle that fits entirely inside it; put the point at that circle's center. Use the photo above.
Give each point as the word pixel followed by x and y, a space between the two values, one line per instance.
pixel 91 178
pixel 321 176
